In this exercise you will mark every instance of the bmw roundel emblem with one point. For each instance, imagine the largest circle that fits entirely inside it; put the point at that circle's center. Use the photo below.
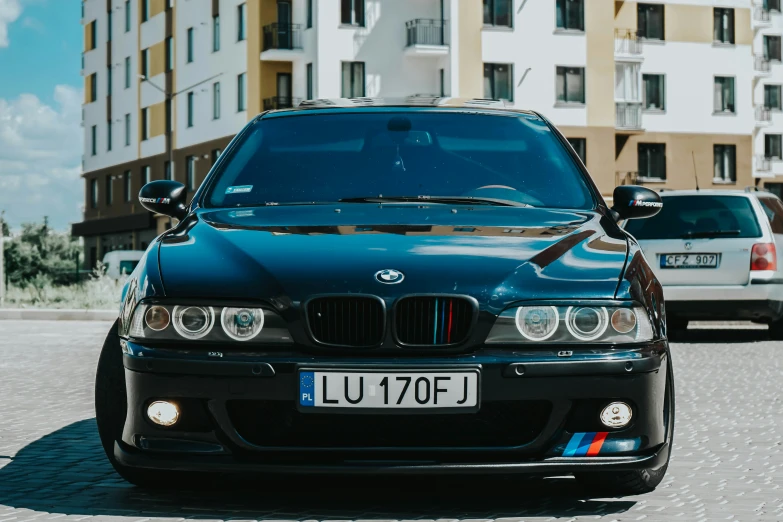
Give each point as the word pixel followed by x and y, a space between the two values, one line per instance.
pixel 688 245
pixel 389 276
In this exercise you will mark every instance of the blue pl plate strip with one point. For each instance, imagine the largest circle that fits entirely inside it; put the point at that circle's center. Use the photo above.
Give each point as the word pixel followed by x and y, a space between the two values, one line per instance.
pixel 307 388
pixel 573 444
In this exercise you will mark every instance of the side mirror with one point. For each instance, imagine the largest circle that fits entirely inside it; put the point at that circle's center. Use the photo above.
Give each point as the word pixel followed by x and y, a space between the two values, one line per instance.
pixel 164 197
pixel 635 202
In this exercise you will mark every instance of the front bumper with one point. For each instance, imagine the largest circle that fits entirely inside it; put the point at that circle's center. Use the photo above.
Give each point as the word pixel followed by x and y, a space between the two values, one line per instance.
pixel 239 415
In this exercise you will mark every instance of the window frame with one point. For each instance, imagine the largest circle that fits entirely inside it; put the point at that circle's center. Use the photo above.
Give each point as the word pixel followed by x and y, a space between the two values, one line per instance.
pixel 190 109
pixel 641 12
pixel 309 7
pixel 145 62
pixel 650 147
pixel 579 144
pixel 93 35
pixel 128 70
pixel 108 194
pixel 190 173
pixel 94 196
pixel 662 87
pixel 216 33
pixel 127 129
pixel 493 87
pixel 491 8
pixel 145 10
pixel 241 92
pixel 779 88
pixel 94 140
pixel 146 174
pixel 127 186
pixel 108 136
pixel 565 102
pixel 724 112
pixel 721 149
pixel 189 45
pixel 561 4
pixel 733 36
pixel 309 80
pixel 352 75
pixel 94 87
pixel 241 22
pixel 216 101
pixel 144 119
pixel 169 50
pixel 779 48
pixel 127 16
pixel 768 138
pixel 357 13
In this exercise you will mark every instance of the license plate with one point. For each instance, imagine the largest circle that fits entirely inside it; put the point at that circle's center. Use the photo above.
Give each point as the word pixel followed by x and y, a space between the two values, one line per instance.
pixel 388 389
pixel 689 260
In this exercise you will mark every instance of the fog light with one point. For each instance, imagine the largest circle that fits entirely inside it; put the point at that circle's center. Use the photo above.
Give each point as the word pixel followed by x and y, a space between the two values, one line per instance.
pixel 616 415
pixel 163 413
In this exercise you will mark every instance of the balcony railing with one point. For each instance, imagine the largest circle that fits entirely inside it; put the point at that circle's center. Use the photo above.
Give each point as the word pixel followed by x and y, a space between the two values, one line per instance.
pixel 626 42
pixel 763 164
pixel 763 114
pixel 628 115
pixel 760 63
pixel 427 31
pixel 282 36
pixel 626 178
pixel 280 102
pixel 761 14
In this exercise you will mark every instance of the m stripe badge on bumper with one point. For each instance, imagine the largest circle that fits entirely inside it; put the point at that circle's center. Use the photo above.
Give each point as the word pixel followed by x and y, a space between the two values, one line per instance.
pixel 585 444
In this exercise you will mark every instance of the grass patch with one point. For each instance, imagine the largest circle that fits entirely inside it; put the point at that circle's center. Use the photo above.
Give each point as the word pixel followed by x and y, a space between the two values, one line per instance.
pixel 99 292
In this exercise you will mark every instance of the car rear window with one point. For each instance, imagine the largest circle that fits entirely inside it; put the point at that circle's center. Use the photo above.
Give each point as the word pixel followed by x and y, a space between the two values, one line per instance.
pixel 325 157
pixel 682 216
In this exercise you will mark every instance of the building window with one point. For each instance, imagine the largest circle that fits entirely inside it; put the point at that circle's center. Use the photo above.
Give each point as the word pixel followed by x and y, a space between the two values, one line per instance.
pixel 126 186
pixel 169 53
pixel 724 25
pixel 109 193
pixel 145 10
pixel 108 136
pixel 190 45
pixel 498 12
pixel 649 18
pixel 499 81
pixel 215 33
pixel 570 85
pixel 108 80
pixel 442 75
pixel 725 157
pixel 772 98
pixel 772 5
pixel 167 173
pixel 216 101
pixel 215 155
pixel 127 72
pixel 309 14
pixel 570 14
pixel 241 102
pixel 580 147
pixel 772 146
pixel 168 115
pixel 309 81
pixel 241 22
pixel 144 125
pixel 127 130
pixel 93 87
pixel 654 92
pixel 353 80
pixel 145 175
pixel 127 16
pixel 190 109
pixel 190 171
pixel 108 26
pixel 652 161
pixel 772 47
pixel 352 12
pixel 94 140
pixel 145 63
pixel 724 94
pixel 94 193
pixel 93 43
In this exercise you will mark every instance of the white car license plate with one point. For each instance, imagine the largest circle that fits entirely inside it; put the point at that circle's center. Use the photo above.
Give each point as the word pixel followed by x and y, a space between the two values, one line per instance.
pixel 388 389
pixel 689 260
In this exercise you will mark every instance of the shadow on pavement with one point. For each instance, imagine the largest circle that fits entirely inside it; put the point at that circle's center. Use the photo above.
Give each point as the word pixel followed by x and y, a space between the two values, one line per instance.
pixel 66 472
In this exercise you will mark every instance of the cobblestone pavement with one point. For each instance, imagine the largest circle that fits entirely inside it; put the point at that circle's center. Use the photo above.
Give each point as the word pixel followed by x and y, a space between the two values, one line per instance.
pixel 727 462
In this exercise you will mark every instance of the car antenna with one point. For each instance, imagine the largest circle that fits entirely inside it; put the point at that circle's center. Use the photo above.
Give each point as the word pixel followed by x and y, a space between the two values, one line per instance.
pixel 695 176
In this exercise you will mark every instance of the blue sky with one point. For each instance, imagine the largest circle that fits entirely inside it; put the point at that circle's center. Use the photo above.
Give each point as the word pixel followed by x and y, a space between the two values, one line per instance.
pixel 40 111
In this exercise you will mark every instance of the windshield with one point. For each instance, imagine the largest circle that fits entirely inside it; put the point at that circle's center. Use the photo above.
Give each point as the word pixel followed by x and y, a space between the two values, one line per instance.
pixel 354 155
pixel 698 216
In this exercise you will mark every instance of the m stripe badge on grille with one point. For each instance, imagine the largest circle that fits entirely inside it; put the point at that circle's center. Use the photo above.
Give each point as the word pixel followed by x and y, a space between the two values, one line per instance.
pixel 585 444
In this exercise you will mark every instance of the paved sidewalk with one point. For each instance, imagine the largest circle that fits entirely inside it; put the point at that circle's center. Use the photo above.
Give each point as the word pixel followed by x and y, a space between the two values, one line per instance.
pixel 727 464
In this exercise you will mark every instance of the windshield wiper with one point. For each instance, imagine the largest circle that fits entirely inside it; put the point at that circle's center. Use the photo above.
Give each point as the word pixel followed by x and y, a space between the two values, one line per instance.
pixel 457 200
pixel 710 233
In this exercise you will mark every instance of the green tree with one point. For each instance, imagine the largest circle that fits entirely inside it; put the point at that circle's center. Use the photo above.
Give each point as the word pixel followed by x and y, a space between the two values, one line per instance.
pixel 38 253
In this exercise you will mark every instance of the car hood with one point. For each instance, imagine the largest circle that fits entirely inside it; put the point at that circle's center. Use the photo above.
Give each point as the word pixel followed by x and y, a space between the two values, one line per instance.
pixel 497 255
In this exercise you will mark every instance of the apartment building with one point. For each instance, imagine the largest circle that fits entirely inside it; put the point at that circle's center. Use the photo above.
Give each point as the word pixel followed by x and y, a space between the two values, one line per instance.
pixel 660 93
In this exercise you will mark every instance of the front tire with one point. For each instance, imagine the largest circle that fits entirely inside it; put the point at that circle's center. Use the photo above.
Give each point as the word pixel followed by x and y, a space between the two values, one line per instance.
pixel 638 481
pixel 111 406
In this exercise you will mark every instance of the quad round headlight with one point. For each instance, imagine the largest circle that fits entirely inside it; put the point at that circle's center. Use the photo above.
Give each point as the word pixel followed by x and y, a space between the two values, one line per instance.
pixel 537 323
pixel 193 322
pixel 157 318
pixel 242 324
pixel 586 323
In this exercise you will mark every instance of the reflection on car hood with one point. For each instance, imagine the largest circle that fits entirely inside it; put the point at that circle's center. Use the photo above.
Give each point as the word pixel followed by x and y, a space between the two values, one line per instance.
pixel 497 255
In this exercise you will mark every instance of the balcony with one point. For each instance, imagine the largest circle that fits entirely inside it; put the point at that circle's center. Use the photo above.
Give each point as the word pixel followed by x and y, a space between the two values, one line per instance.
pixel 280 102
pixel 627 44
pixel 760 66
pixel 628 115
pixel 762 165
pixel 280 41
pixel 427 37
pixel 763 116
pixel 626 178
pixel 761 17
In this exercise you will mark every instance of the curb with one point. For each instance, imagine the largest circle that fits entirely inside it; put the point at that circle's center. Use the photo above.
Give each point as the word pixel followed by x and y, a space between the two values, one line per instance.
pixel 21 314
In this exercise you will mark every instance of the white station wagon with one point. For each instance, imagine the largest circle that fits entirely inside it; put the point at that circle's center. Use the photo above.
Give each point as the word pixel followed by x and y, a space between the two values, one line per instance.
pixel 715 253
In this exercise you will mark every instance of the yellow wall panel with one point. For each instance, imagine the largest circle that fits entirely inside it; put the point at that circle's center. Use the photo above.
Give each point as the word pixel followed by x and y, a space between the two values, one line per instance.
pixel 269 72
pixel 157 116
pixel 157 7
pixel 599 73
pixel 88 89
pixel 157 58
pixel 87 37
pixel 743 32
pixel 625 15
pixel 253 14
pixel 471 67
pixel 688 23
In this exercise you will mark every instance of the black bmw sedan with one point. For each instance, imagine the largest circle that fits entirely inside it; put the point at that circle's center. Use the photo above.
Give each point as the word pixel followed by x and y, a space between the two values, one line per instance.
pixel 381 287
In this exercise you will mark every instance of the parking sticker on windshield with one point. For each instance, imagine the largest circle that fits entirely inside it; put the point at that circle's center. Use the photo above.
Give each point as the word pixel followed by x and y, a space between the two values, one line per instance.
pixel 240 189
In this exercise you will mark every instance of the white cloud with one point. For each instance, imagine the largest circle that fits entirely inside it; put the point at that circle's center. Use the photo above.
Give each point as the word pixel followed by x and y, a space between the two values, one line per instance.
pixel 40 158
pixel 9 12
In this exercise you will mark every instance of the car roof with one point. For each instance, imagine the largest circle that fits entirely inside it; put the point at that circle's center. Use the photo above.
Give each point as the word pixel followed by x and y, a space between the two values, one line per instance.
pixel 418 101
